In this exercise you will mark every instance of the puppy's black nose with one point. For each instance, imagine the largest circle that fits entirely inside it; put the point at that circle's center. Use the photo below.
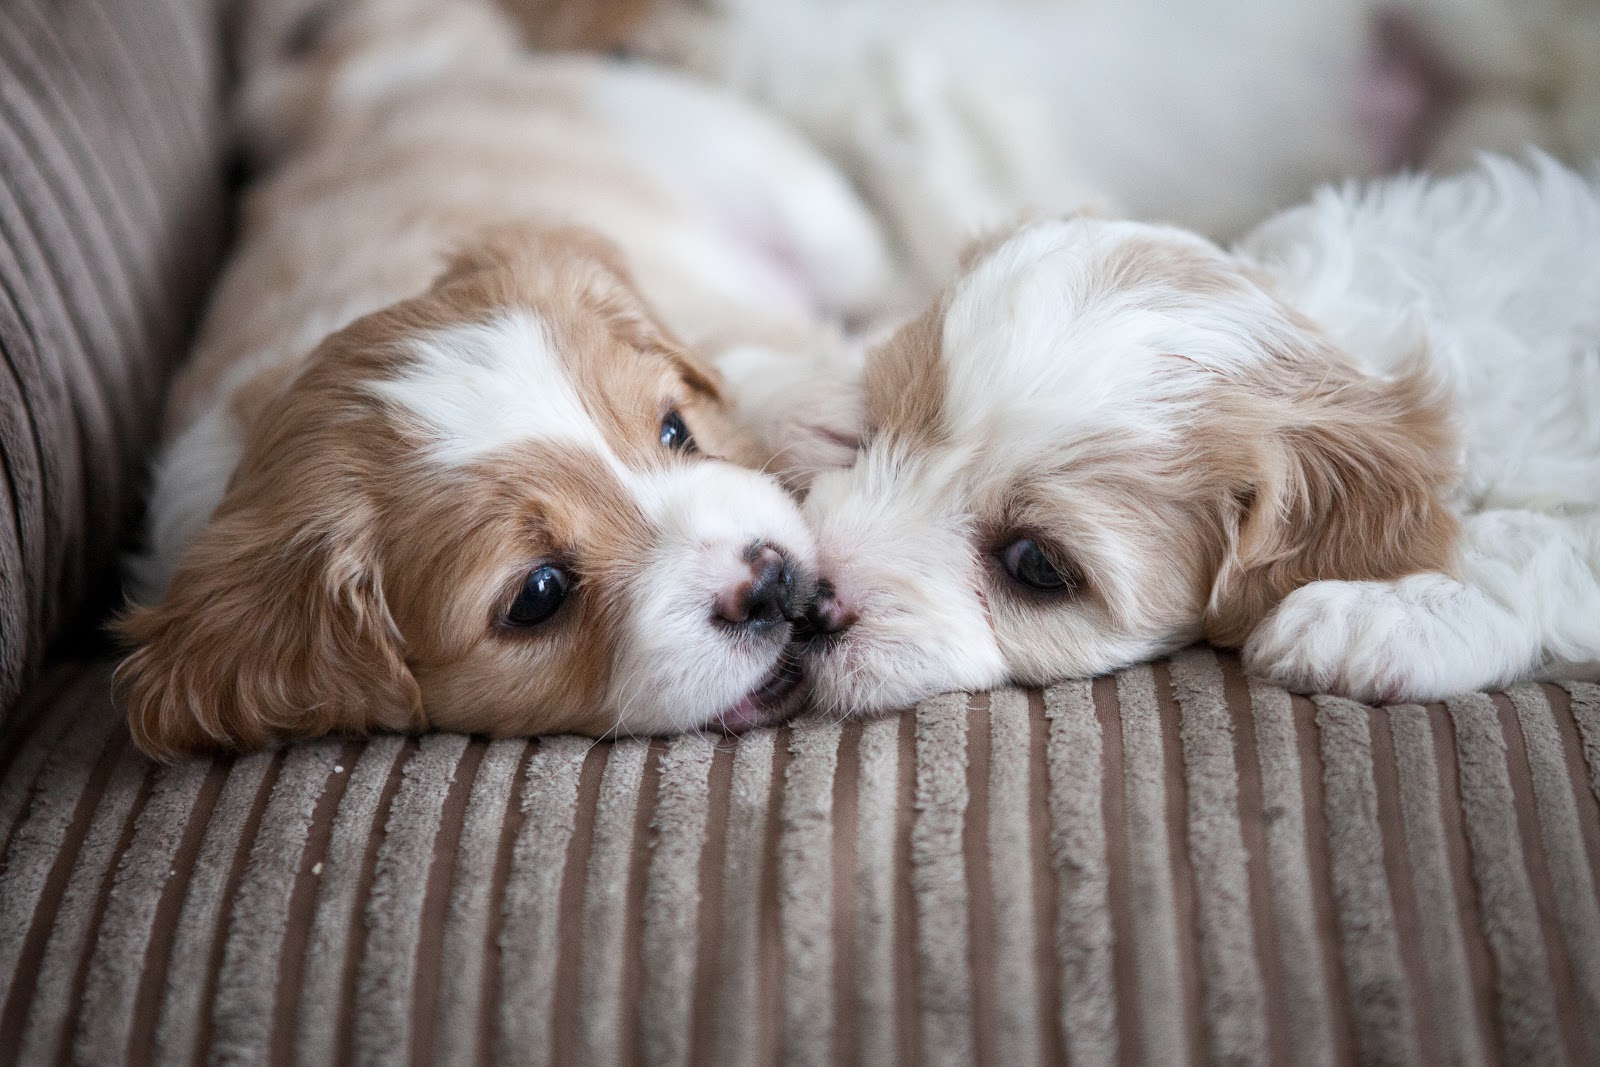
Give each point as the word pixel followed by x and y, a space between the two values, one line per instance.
pixel 764 598
pixel 827 614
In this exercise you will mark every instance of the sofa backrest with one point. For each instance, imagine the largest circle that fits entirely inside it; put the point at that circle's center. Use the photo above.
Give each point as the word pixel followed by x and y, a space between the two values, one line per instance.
pixel 111 218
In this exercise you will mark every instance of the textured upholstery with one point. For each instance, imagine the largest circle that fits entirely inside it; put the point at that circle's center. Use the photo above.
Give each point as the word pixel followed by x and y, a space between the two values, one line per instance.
pixel 1167 865
pixel 110 212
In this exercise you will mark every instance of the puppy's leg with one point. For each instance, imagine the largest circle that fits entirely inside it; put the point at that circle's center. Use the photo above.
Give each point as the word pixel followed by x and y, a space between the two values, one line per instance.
pixel 1527 604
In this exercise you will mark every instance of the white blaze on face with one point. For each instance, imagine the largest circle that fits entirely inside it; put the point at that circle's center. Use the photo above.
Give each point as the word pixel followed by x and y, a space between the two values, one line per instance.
pixel 896 544
pixel 676 669
pixel 481 389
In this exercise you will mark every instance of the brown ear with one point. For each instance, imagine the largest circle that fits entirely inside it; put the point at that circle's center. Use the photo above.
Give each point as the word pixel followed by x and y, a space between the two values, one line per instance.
pixel 260 640
pixel 1349 483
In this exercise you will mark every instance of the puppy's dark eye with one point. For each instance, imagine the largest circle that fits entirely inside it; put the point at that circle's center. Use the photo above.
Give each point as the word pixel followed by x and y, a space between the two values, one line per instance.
pixel 543 593
pixel 675 434
pixel 1025 561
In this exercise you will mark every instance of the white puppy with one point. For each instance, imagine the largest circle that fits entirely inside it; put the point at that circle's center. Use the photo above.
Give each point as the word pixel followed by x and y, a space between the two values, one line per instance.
pixel 1364 446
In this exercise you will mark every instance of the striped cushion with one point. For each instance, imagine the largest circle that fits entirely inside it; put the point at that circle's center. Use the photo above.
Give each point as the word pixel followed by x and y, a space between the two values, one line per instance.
pixel 1171 864
pixel 110 219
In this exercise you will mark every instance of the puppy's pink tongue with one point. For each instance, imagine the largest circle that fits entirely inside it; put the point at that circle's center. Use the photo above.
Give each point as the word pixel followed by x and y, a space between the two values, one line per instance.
pixel 743 716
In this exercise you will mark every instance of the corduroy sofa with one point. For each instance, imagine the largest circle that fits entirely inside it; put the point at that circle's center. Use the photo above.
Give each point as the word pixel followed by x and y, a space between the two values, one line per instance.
pixel 1171 864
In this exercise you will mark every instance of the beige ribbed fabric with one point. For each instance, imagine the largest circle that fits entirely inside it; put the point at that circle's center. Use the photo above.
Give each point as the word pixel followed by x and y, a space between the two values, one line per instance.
pixel 1175 864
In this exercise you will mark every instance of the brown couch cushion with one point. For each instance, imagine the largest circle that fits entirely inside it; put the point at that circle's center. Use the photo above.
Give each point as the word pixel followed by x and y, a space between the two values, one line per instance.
pixel 110 211
pixel 1172 864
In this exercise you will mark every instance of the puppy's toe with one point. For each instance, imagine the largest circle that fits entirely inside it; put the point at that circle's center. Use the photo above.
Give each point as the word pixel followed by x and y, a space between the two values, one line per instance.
pixel 1362 640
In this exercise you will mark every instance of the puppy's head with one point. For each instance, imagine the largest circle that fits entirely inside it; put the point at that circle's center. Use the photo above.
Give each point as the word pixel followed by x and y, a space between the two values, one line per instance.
pixel 505 506
pixel 1106 440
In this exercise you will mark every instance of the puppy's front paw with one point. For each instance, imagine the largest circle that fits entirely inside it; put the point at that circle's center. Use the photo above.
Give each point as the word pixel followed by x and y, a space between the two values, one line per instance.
pixel 1376 642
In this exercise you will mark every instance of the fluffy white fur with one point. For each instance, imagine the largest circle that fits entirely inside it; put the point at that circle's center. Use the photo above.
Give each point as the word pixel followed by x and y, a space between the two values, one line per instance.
pixel 1154 410
pixel 954 116
pixel 1497 273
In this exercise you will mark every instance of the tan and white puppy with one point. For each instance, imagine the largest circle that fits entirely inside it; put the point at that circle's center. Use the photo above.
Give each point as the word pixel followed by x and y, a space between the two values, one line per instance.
pixel 502 496
pixel 1364 445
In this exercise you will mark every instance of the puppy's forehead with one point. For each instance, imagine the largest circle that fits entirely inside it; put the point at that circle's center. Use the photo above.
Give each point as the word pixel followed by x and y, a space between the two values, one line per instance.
pixel 1078 315
pixel 483 386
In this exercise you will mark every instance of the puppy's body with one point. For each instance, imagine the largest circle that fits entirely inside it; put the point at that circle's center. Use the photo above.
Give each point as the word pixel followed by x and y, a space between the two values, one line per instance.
pixel 1494 276
pixel 369 464
pixel 957 115
pixel 1365 447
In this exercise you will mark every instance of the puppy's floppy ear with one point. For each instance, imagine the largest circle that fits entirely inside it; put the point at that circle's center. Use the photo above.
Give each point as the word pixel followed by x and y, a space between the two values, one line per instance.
pixel 261 639
pixel 1348 482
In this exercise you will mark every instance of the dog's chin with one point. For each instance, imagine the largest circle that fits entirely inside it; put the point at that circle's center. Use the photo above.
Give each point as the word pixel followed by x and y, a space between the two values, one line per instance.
pixel 773 699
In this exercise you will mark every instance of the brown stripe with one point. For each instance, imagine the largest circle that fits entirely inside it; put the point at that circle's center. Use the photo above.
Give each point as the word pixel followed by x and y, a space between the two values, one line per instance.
pixel 152 976
pixel 477 889
pixel 1527 1019
pixel 1456 1027
pixel 331 953
pixel 1253 815
pixel 1018 1014
pixel 605 905
pixel 225 911
pixel 938 879
pixel 396 901
pixel 156 869
pixel 1162 948
pixel 1184 888
pixel 1585 706
pixel 1584 800
pixel 40 852
pixel 1113 800
pixel 1571 881
pixel 248 975
pixel 805 874
pixel 511 823
pixel 1235 1012
pixel 30 735
pixel 1053 1041
pixel 770 973
pixel 302 907
pixel 40 860
pixel 908 977
pixel 435 919
pixel 877 773
pixel 1402 891
pixel 352 1018
pixel 739 964
pixel 1539 879
pixel 519 1032
pixel 58 987
pixel 671 930
pixel 205 900
pixel 1380 995
pixel 1283 811
pixel 846 781
pixel 1480 962
pixel 713 862
pixel 980 887
pixel 540 947
pixel 1320 857
pixel 40 707
pixel 630 1019
pixel 1078 855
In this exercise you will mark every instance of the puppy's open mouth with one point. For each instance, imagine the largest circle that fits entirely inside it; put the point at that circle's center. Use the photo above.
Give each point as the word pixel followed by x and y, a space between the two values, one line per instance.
pixel 770 701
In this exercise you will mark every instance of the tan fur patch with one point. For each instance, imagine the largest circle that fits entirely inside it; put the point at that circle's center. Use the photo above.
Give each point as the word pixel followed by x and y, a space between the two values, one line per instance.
pixel 906 381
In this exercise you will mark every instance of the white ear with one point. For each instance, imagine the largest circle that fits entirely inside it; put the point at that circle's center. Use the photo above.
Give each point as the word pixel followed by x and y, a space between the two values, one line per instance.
pixel 805 407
